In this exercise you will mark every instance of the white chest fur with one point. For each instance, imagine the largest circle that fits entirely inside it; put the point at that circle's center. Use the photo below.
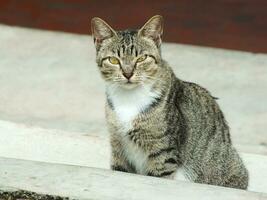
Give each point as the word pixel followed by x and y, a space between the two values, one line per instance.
pixel 135 156
pixel 128 103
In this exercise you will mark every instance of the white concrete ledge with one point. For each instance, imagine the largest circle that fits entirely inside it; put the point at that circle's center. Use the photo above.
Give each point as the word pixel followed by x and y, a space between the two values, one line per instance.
pixel 74 148
pixel 91 183
pixel 55 146
pixel 50 79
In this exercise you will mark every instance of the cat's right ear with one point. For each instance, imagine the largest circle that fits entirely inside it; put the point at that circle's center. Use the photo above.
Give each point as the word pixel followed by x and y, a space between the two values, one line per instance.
pixel 101 31
pixel 153 29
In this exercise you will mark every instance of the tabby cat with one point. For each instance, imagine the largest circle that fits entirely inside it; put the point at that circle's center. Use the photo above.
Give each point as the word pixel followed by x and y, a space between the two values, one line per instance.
pixel 160 125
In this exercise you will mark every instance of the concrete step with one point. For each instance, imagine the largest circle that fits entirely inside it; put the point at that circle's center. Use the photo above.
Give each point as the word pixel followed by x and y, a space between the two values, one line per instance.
pixel 50 79
pixel 75 148
pixel 51 110
pixel 92 183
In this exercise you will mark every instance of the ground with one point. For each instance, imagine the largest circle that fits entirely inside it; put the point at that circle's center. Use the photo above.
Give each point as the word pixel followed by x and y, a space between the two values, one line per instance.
pixel 52 98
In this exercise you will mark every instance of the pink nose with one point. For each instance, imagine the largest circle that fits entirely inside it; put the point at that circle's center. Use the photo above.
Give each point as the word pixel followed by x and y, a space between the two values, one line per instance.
pixel 127 75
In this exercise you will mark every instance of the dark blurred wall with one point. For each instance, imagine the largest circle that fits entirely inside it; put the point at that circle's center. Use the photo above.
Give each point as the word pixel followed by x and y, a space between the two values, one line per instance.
pixel 232 24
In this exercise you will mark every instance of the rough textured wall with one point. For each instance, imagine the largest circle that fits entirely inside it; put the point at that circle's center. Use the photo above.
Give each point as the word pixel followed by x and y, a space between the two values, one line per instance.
pixel 232 24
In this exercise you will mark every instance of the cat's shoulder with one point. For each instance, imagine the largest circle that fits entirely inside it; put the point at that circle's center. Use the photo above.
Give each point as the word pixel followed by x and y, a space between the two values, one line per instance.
pixel 194 91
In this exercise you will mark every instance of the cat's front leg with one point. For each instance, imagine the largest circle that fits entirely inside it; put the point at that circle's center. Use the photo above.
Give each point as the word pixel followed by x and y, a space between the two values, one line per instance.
pixel 119 163
pixel 162 163
pixel 118 160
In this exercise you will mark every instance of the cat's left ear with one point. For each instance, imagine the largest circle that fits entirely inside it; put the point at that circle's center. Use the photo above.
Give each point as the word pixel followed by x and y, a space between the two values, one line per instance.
pixel 101 31
pixel 153 29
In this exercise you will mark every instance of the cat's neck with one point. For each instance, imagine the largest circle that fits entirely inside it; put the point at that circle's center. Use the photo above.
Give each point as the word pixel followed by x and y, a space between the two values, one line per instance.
pixel 128 103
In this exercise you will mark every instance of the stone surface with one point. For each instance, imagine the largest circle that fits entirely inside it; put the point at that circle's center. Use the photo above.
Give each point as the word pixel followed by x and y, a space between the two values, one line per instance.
pixel 92 183
pixel 76 148
pixel 52 105
pixel 50 79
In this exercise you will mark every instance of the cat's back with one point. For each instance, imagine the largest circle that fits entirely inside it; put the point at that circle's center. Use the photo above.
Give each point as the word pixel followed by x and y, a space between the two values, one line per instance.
pixel 197 99
pixel 203 116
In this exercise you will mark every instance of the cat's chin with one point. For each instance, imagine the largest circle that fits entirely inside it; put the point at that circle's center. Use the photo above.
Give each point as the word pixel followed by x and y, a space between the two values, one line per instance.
pixel 129 86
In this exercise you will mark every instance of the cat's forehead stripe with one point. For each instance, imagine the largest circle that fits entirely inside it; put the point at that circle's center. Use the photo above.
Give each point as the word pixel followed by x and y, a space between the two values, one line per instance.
pixel 127 44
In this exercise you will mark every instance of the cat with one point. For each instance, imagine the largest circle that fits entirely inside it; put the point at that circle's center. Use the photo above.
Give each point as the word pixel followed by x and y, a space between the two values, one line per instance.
pixel 160 125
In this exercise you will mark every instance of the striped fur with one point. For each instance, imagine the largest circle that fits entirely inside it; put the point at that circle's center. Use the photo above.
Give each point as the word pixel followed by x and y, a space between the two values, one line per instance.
pixel 160 125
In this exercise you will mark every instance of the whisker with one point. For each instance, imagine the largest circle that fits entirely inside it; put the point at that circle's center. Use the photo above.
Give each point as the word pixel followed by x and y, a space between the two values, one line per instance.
pixel 154 79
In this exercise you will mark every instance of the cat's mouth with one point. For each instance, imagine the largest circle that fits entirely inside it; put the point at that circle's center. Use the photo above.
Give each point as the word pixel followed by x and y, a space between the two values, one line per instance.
pixel 129 84
pixel 129 81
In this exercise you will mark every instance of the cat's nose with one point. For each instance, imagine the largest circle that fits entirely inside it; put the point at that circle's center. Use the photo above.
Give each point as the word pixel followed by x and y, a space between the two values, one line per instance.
pixel 127 75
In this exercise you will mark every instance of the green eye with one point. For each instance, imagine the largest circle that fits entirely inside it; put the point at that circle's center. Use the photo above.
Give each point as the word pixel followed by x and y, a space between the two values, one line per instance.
pixel 142 58
pixel 114 60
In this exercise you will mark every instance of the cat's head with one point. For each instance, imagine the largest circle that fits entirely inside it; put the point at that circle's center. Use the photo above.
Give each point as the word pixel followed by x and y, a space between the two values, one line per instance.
pixel 128 58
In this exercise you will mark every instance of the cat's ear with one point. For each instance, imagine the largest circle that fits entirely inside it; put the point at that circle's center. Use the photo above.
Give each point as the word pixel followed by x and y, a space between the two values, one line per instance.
pixel 153 29
pixel 101 30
